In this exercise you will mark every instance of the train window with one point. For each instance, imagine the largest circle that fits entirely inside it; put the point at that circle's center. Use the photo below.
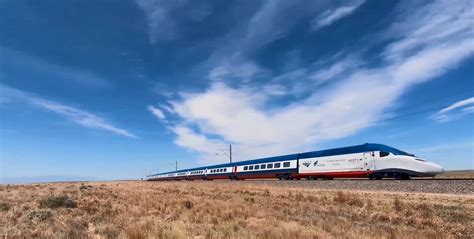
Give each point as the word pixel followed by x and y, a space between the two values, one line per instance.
pixel 222 170
pixel 286 164
pixel 225 170
pixel 263 166
pixel 251 167
pixel 270 165
pixel 246 168
pixel 384 154
pixel 257 166
pixel 277 165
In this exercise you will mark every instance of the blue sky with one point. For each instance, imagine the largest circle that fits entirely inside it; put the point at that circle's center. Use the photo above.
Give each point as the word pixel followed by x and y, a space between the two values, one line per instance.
pixel 116 89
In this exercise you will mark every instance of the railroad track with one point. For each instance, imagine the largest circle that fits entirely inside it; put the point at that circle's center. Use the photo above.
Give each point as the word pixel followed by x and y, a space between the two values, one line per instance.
pixel 436 185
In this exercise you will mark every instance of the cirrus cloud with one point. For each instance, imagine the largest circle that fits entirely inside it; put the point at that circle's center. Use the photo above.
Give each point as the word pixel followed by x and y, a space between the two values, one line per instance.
pixel 78 116
pixel 246 115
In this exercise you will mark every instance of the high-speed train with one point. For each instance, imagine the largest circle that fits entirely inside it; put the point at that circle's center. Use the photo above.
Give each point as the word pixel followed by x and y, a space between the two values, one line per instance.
pixel 373 161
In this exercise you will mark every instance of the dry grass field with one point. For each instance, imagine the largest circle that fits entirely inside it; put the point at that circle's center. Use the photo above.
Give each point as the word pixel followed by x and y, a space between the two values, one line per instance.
pixel 223 209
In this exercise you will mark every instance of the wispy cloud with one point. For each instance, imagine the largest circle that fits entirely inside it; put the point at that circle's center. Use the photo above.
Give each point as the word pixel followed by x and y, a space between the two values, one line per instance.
pixel 456 110
pixel 75 115
pixel 67 74
pixel 156 112
pixel 245 116
pixel 332 15
pixel 162 25
pixel 444 147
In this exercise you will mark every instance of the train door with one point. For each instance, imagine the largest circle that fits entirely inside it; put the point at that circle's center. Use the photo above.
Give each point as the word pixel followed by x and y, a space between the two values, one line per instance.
pixel 369 158
pixel 234 170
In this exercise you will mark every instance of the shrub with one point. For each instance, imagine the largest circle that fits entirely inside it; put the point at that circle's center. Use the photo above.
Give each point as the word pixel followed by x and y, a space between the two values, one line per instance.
pixel 84 187
pixel 349 199
pixel 397 204
pixel 134 232
pixel 188 204
pixel 4 206
pixel 56 202
pixel 249 199
pixel 40 215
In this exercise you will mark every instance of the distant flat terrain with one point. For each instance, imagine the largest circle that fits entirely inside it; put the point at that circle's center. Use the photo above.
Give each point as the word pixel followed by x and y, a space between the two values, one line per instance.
pixel 457 174
pixel 234 209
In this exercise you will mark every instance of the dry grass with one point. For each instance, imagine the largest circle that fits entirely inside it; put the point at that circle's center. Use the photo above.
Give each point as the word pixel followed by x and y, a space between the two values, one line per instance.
pixel 223 209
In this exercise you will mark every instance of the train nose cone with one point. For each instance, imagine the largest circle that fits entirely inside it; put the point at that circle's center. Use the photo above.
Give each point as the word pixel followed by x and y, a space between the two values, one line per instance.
pixel 435 169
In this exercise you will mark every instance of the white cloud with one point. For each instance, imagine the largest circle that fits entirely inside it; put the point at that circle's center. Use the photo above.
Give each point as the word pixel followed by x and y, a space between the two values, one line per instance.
pixel 160 25
pixel 156 112
pixel 433 24
pixel 71 75
pixel 340 67
pixel 167 108
pixel 235 69
pixel 78 116
pixel 332 15
pixel 457 105
pixel 455 110
pixel 245 115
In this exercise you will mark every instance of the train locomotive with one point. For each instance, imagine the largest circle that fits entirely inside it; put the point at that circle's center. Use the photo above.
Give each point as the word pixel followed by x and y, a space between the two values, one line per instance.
pixel 373 161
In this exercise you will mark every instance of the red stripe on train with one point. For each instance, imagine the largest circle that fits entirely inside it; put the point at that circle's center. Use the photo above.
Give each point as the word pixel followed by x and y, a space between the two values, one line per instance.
pixel 338 174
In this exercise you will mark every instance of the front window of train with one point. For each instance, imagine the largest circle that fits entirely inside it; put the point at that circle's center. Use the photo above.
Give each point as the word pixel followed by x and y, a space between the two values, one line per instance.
pixel 397 151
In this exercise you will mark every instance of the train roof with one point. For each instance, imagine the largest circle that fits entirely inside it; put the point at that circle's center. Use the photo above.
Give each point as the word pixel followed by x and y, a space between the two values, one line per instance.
pixel 321 153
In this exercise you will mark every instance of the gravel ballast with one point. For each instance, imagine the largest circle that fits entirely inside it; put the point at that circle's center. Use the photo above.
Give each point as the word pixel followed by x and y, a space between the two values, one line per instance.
pixel 417 186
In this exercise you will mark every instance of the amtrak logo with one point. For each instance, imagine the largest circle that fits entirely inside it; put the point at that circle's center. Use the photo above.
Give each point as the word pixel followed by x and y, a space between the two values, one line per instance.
pixel 306 164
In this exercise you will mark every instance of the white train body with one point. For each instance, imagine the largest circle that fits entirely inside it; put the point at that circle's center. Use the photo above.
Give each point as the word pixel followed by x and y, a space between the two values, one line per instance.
pixel 374 161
